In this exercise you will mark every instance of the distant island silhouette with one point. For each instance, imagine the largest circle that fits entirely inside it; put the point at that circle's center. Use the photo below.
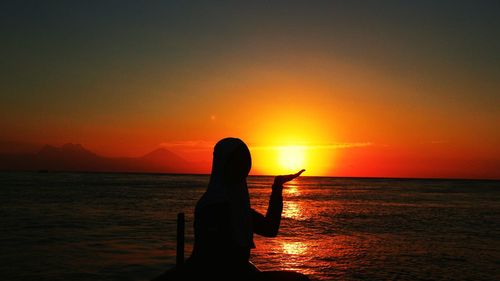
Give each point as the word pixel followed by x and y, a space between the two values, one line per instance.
pixel 76 158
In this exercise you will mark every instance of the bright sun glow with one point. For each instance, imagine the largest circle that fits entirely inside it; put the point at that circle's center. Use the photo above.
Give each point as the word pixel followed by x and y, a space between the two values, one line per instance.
pixel 292 140
pixel 291 158
pixel 287 159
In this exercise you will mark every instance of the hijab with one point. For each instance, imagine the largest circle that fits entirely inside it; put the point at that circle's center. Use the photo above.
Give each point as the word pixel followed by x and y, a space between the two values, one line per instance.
pixel 230 167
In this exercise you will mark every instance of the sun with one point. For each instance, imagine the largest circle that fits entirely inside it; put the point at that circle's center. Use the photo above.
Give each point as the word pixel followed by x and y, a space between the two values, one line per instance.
pixel 286 159
pixel 291 158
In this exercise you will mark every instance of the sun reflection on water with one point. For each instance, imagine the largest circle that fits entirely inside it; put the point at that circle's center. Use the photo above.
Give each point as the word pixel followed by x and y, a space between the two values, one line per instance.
pixel 294 248
pixel 294 255
pixel 293 210
pixel 292 189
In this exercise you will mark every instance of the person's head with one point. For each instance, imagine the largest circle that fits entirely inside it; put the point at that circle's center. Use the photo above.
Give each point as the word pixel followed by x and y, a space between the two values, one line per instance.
pixel 232 161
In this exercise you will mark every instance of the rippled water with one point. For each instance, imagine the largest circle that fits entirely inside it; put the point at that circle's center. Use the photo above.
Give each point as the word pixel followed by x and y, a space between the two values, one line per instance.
pixel 59 226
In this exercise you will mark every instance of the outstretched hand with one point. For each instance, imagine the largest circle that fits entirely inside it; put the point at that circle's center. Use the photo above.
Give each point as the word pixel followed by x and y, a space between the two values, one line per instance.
pixel 280 180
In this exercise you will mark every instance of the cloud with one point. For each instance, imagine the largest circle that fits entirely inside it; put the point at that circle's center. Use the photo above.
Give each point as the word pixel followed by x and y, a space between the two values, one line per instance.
pixel 189 145
pixel 432 142
pixel 341 145
pixel 207 145
pixel 347 145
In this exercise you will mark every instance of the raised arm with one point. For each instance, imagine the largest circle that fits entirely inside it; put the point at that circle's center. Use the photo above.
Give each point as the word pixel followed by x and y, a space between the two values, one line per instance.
pixel 269 225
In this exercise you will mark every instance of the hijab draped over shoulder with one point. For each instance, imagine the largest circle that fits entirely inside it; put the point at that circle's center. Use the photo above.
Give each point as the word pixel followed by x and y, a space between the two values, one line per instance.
pixel 230 168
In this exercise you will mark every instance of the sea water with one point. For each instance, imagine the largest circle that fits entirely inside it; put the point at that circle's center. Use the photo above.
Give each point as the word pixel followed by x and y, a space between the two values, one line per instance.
pixel 85 226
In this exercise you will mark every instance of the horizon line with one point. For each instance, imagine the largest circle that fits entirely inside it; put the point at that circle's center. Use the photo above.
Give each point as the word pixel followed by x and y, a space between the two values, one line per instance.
pixel 252 175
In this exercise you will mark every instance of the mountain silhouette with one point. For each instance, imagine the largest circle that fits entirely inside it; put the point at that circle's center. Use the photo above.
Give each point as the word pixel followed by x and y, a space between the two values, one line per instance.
pixel 69 148
pixel 75 157
pixel 163 156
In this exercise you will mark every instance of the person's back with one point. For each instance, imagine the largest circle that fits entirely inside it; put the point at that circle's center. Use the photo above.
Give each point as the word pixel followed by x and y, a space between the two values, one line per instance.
pixel 213 244
pixel 224 222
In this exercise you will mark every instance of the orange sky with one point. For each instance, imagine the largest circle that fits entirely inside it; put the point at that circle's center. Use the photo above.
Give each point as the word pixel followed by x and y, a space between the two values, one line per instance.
pixel 344 91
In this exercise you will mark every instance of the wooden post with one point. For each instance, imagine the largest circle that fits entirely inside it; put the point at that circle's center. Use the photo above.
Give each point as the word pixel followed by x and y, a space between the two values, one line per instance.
pixel 180 239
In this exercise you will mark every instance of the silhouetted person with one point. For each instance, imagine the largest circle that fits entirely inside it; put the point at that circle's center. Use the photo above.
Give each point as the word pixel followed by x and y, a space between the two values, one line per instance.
pixel 224 222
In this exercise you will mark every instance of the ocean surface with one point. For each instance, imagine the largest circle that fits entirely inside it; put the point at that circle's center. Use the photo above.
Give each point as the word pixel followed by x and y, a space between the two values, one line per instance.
pixel 83 226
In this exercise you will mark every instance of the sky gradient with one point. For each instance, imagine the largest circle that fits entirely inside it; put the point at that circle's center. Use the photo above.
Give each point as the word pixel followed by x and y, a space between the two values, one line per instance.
pixel 359 88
